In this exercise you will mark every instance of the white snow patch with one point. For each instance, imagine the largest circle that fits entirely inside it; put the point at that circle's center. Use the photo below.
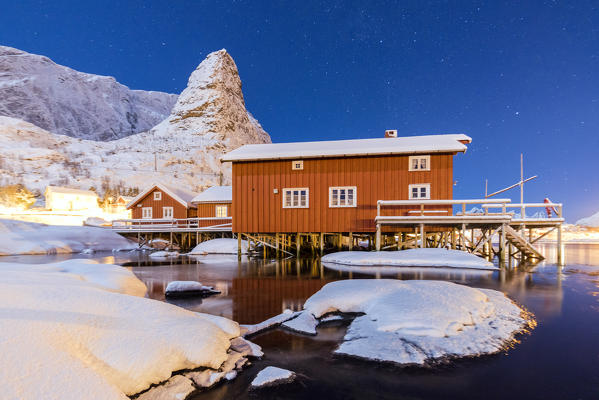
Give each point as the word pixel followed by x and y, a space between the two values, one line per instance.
pixel 303 323
pixel 412 322
pixel 184 286
pixel 17 237
pixel 164 254
pixel 412 257
pixel 271 376
pixel 75 319
pixel 269 323
pixel 219 246
pixel 176 388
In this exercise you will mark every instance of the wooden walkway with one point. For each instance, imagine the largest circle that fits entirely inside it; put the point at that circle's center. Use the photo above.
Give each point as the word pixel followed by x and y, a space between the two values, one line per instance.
pixel 472 231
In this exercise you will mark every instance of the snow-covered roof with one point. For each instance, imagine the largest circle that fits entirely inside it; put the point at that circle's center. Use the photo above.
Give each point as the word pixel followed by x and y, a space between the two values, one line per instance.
pixel 215 194
pixel 355 147
pixel 181 195
pixel 66 190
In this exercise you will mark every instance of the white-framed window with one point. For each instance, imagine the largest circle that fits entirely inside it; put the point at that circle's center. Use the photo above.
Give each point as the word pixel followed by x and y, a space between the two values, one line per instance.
pixel 420 163
pixel 146 212
pixel 157 195
pixel 343 196
pixel 296 198
pixel 421 191
pixel 167 212
pixel 221 211
pixel 297 165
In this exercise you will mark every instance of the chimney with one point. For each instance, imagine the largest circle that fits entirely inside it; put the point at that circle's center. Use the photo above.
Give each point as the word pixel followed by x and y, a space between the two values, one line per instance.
pixel 391 133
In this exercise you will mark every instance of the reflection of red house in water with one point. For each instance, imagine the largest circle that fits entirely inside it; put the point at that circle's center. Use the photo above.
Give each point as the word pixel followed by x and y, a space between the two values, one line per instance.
pixel 257 299
pixel 161 201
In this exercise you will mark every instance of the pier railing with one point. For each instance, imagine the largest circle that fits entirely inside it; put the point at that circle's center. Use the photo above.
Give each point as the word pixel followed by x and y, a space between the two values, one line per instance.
pixel 175 224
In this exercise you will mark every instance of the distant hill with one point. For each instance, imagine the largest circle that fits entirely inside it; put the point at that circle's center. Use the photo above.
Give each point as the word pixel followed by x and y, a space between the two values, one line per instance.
pixel 592 221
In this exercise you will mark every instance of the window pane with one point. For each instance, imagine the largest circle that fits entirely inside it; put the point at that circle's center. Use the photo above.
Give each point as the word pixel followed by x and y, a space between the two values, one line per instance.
pixel 415 163
pixel 335 201
pixel 423 163
pixel 342 197
pixel 288 198
pixel 423 191
pixel 414 192
pixel 350 197
pixel 303 201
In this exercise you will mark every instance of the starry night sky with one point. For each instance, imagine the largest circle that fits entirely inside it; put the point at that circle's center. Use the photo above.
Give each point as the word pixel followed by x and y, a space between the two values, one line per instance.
pixel 520 76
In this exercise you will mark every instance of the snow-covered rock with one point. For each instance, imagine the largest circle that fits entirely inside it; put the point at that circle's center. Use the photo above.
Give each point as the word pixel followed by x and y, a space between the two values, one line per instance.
pixel 17 237
pixel 75 319
pixel 269 323
pixel 303 323
pixel 164 254
pixel 591 222
pixel 415 322
pixel 219 246
pixel 176 388
pixel 271 376
pixel 246 347
pixel 411 258
pixel 208 120
pixel 67 102
pixel 188 288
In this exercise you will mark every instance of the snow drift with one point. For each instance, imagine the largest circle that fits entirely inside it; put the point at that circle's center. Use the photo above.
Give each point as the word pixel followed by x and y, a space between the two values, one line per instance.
pixel 219 246
pixel 415 322
pixel 78 330
pixel 411 258
pixel 17 237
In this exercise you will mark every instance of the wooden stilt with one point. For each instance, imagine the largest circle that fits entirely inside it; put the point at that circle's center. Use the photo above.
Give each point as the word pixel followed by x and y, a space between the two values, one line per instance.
pixel 321 243
pixel 378 237
pixel 422 237
pixel 239 246
pixel 351 241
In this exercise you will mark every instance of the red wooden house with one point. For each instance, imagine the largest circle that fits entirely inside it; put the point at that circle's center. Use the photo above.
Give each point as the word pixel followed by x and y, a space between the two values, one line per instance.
pixel 214 206
pixel 161 201
pixel 334 186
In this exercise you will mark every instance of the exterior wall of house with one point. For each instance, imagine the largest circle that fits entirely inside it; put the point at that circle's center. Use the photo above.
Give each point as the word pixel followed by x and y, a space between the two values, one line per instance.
pixel 208 210
pixel 70 202
pixel 179 210
pixel 257 209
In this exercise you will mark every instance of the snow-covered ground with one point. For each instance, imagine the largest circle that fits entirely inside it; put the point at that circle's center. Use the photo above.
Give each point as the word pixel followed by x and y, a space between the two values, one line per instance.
pixel 18 237
pixel 79 330
pixel 415 322
pixel 410 258
pixel 219 246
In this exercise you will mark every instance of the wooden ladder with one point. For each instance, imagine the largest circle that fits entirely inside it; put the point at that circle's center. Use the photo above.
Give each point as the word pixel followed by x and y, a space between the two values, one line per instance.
pixel 520 242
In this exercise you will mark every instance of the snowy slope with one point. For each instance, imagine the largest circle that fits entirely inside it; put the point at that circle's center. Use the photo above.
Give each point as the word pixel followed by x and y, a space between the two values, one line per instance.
pixel 592 221
pixel 68 102
pixel 208 120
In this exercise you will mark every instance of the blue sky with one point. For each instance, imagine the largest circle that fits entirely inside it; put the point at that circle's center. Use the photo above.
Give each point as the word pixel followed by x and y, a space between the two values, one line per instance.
pixel 515 76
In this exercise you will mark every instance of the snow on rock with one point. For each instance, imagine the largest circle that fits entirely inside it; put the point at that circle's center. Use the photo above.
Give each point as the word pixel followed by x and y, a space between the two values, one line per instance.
pixel 176 388
pixel 269 323
pixel 303 323
pixel 246 347
pixel 414 322
pixel 73 319
pixel 17 237
pixel 591 222
pixel 271 376
pixel 219 246
pixel 411 258
pixel 184 286
pixel 164 254
pixel 72 103
pixel 96 221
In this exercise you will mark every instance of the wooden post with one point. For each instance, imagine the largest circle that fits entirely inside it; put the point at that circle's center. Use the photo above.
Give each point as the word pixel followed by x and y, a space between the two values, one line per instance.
pixel 378 237
pixel 298 244
pixel 321 243
pixel 502 245
pixel 351 241
pixel 340 241
pixel 239 246
pixel 422 238
pixel 560 254
pixel 278 253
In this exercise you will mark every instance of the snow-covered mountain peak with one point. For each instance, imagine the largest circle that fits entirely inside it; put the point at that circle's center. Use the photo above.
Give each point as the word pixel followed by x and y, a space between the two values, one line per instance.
pixel 68 102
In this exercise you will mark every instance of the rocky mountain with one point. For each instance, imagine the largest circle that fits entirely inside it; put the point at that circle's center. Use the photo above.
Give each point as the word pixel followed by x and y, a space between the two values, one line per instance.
pixel 591 222
pixel 67 102
pixel 208 120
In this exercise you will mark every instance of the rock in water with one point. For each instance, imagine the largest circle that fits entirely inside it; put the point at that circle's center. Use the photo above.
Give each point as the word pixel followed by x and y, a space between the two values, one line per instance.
pixel 271 376
pixel 68 102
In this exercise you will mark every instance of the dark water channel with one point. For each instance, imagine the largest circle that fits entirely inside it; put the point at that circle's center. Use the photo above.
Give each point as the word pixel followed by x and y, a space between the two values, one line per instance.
pixel 558 360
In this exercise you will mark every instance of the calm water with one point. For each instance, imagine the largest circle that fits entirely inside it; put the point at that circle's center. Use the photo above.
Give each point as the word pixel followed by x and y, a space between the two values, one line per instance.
pixel 558 360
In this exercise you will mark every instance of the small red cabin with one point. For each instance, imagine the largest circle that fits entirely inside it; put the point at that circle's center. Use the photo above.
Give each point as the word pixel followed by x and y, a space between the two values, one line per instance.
pixel 334 186
pixel 214 206
pixel 161 201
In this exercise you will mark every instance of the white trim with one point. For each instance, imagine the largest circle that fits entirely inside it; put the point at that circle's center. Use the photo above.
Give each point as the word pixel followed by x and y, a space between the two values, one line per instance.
pixel 143 194
pixel 297 165
pixel 172 212
pixel 343 188
pixel 419 186
pixel 157 195
pixel 143 213
pixel 216 207
pixel 427 159
pixel 284 197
